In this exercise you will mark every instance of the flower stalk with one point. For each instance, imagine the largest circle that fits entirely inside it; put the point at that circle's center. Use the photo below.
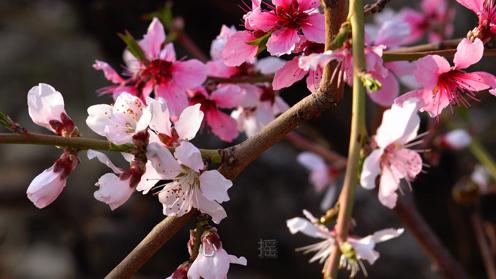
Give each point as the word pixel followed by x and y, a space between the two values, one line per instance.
pixel 357 136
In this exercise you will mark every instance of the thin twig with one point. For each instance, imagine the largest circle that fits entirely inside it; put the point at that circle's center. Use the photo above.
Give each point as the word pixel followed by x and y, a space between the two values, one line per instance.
pixel 157 237
pixel 487 257
pixel 375 7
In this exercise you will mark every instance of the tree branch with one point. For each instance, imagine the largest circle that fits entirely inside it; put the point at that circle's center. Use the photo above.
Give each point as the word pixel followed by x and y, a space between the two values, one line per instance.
pixel 158 236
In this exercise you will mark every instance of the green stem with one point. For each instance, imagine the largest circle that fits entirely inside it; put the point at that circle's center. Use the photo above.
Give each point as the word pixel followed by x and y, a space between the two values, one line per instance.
pixel 80 143
pixel 483 156
pixel 357 136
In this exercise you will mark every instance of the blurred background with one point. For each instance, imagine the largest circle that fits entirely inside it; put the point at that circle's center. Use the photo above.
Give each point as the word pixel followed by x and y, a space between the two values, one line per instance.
pixel 56 42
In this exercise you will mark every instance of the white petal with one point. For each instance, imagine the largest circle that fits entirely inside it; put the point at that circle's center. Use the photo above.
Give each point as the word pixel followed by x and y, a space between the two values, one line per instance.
pixel 45 188
pixel 148 179
pixel 45 104
pixel 269 65
pixel 99 116
pixel 174 200
pixel 163 161
pixel 302 225
pixel 113 191
pixel 189 122
pixel 312 161
pixel 371 169
pixel 187 154
pixel 399 124
pixel 387 234
pixel 212 208
pixel 458 139
pixel 214 186
pixel 160 116
pixel 104 159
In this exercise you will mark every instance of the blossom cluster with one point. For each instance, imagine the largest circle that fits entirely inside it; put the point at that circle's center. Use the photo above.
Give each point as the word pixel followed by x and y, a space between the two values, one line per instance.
pixel 160 103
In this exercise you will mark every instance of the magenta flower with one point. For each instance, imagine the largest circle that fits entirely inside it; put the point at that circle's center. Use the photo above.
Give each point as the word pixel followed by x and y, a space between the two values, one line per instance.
pixel 286 22
pixel 486 12
pixel 160 73
pixel 443 85
pixel 436 20
pixel 227 96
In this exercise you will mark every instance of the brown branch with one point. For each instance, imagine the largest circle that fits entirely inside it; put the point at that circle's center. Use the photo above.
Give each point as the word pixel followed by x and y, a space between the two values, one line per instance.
pixel 157 237
pixel 432 246
pixel 375 7
pixel 483 246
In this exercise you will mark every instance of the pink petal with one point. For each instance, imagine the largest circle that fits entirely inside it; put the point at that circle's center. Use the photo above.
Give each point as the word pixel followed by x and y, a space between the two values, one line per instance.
pixel 288 74
pixel 222 125
pixel 305 5
pixel 429 68
pixel 314 28
pixel 409 163
pixel 45 104
pixel 227 96
pixel 264 21
pixel 282 41
pixel 187 154
pixel 298 224
pixel 108 71
pixel 217 68
pixel 387 190
pixel 113 191
pixel 269 65
pixel 237 50
pixel 168 53
pixel 282 3
pixel 99 116
pixel 45 188
pixel 388 92
pixel 189 74
pixel 475 6
pixel 468 53
pixel 214 186
pixel 393 33
pixel 315 60
pixel 174 96
pixel 153 39
pixel 313 80
pixel 189 122
pixel 476 81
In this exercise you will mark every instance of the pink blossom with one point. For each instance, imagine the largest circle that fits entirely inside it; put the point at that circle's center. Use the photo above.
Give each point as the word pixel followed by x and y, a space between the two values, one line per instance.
pixel 435 20
pixel 160 73
pixel 486 12
pixel 194 187
pixel 223 97
pixel 443 85
pixel 286 20
pixel 46 109
pixel 364 248
pixel 48 185
pixel 260 106
pixel 118 122
pixel 212 261
pixel 321 176
pixel 392 159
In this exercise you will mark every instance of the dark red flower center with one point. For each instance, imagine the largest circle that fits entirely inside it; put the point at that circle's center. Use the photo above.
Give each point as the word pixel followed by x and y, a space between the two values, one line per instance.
pixel 158 70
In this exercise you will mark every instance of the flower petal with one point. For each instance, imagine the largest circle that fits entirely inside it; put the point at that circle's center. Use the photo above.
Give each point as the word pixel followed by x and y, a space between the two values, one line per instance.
pixel 468 53
pixel 214 186
pixel 45 104
pixel 104 159
pixel 288 74
pixel 189 122
pixel 282 41
pixel 187 154
pixel 371 169
pixel 314 28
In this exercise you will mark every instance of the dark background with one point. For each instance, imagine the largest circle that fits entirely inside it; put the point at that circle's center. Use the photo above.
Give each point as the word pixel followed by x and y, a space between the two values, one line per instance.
pixel 56 42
